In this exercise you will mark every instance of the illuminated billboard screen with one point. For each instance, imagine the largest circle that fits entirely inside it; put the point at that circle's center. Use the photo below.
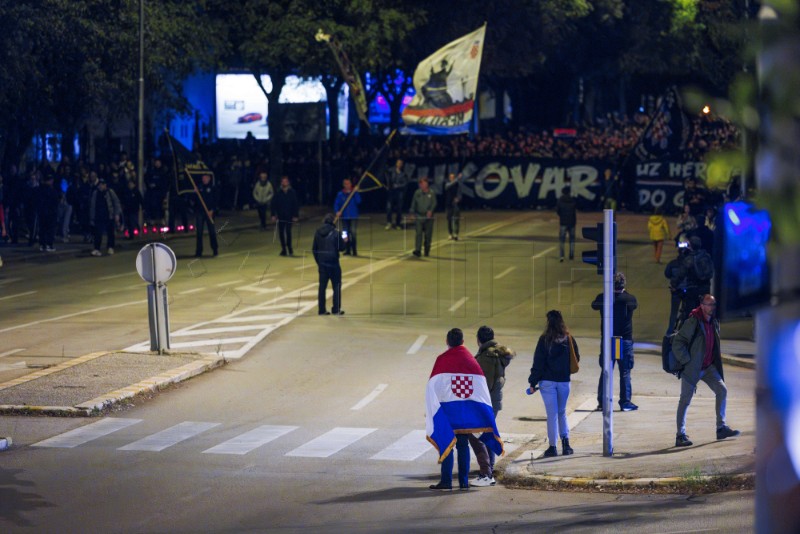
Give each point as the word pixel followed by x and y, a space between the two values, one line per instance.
pixel 241 106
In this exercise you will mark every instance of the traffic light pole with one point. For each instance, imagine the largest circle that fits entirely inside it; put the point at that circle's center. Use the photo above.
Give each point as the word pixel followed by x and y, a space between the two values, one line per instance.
pixel 608 331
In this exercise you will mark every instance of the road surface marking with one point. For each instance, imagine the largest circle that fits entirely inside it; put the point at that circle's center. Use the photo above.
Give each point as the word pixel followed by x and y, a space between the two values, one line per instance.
pixel 222 330
pixel 18 295
pixel 413 349
pixel 76 314
pixel 10 352
pixel 305 266
pixel 113 276
pixel 331 442
pixel 207 342
pixel 542 253
pixel 12 366
pixel 371 397
pixel 406 449
pixel 190 291
pixel 9 281
pixel 252 318
pixel 507 271
pixel 230 283
pixel 458 304
pixel 121 289
pixel 169 437
pixel 87 433
pixel 251 440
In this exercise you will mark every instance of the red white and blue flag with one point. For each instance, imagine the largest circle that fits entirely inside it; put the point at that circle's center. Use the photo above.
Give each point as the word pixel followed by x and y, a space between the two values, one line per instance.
pixel 457 402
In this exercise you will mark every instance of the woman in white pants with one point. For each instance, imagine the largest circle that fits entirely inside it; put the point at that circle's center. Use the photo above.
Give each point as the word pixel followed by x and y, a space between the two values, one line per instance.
pixel 550 374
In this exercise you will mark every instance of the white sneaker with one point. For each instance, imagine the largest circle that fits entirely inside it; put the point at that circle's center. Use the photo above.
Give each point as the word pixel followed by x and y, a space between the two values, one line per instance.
pixel 483 481
pixel 450 237
pixel 110 251
pixel 97 253
pixel 388 226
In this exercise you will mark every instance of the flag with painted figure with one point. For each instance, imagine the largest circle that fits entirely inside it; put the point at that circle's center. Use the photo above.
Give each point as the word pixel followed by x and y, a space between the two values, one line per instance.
pixel 446 84
pixel 457 402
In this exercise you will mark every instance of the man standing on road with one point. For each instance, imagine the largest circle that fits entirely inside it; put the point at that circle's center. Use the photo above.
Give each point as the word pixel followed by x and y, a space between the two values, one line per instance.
pixel 457 404
pixel 327 245
pixel 493 359
pixel 204 214
pixel 286 211
pixel 348 214
pixel 104 215
pixel 47 207
pixel 396 181
pixel 262 195
pixel 624 306
pixel 697 347
pixel 567 219
pixel 422 207
pixel 452 203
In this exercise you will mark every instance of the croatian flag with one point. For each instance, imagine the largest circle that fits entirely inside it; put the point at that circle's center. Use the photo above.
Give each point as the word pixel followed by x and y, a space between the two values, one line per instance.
pixel 457 402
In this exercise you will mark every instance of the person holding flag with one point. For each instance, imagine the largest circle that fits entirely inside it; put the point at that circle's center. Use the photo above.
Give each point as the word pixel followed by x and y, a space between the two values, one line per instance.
pixel 206 204
pixel 458 403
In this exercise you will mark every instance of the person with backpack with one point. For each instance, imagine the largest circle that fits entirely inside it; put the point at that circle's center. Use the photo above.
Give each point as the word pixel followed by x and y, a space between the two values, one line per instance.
pixel 697 347
pixel 697 268
pixel 493 359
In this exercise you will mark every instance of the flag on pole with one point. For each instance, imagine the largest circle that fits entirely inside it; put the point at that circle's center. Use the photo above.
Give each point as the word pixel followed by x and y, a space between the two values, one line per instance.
pixel 457 401
pixel 446 83
pixel 187 167
pixel 349 73
pixel 667 132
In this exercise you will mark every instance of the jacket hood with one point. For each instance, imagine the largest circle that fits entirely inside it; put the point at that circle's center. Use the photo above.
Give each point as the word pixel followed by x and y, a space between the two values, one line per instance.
pixel 494 350
pixel 697 313
pixel 326 229
pixel 656 218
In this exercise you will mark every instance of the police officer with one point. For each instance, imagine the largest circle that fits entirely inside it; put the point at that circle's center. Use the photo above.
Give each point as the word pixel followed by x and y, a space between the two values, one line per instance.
pixel 328 242
pixel 204 214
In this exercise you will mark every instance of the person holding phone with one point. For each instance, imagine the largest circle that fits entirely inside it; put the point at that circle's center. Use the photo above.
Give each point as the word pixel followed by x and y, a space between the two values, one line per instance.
pixel 328 242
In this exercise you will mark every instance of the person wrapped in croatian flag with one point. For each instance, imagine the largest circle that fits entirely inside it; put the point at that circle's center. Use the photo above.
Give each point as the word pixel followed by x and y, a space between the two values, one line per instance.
pixel 457 403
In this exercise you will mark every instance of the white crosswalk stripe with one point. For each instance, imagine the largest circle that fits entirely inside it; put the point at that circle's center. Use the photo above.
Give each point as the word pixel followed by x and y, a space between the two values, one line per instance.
pixel 406 449
pixel 251 440
pixel 331 442
pixel 169 437
pixel 87 433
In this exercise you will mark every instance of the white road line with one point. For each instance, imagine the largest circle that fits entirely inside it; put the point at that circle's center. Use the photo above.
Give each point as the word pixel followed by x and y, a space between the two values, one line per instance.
pixel 542 253
pixel 121 289
pixel 252 318
pixel 18 295
pixel 169 437
pixel 87 433
pixel 504 273
pixel 305 266
pixel 252 440
pixel 230 283
pixel 113 276
pixel 406 449
pixel 221 330
pixel 12 366
pixel 76 314
pixel 371 397
pixel 458 304
pixel 190 291
pixel 10 352
pixel 10 281
pixel 212 342
pixel 413 349
pixel 330 442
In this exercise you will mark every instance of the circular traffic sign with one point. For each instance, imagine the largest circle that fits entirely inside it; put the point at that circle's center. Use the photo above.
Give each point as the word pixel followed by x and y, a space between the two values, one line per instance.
pixel 156 263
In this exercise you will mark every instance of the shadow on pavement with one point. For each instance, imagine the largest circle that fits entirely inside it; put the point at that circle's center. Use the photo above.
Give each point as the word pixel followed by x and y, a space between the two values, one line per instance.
pixel 14 502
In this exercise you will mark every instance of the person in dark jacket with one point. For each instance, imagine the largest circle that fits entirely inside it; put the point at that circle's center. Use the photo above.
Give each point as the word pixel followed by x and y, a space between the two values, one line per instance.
pixel 550 374
pixel 397 179
pixel 624 306
pixel 348 214
pixel 30 195
pixel 327 245
pixel 567 219
pixel 104 216
pixel 131 200
pixel 677 286
pixel 286 211
pixel 697 347
pixel 204 214
pixel 47 208
pixel 493 359
pixel 452 204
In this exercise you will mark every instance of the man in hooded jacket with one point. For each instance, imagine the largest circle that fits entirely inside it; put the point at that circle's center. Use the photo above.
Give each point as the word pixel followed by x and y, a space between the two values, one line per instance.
pixel 328 242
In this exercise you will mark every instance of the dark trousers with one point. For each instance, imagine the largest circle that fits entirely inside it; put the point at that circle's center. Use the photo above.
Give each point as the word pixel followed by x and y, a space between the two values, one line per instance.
pixel 131 221
pixel 453 216
pixel 625 366
pixel 351 227
pixel 334 275
pixel 101 228
pixel 285 234
pixel 262 214
pixel 177 209
pixel 200 220
pixel 462 447
pixel 394 204
pixel 32 222
pixel 47 230
pixel 674 304
pixel 424 229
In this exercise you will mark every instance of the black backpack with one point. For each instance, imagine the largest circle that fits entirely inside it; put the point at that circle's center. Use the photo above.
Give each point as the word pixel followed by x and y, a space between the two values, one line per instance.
pixel 669 362
pixel 703 266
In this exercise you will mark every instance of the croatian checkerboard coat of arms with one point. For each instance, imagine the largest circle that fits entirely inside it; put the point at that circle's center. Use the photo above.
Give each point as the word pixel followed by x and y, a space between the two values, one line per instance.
pixel 461 386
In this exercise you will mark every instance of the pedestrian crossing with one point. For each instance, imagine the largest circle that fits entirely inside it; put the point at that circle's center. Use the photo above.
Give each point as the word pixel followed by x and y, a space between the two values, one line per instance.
pixel 333 442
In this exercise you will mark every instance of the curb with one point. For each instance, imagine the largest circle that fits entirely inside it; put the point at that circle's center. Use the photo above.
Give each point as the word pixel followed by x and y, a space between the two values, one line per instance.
pixel 104 402
pixel 625 483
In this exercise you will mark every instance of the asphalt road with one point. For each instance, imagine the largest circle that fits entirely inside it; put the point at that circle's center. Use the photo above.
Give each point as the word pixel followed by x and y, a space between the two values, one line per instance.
pixel 316 425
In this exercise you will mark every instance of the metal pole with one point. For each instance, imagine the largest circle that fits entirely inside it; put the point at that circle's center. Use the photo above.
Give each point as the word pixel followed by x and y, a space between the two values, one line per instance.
pixel 140 151
pixel 608 330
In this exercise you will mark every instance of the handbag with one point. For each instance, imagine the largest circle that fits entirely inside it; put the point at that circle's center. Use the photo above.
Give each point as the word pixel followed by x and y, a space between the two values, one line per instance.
pixel 574 365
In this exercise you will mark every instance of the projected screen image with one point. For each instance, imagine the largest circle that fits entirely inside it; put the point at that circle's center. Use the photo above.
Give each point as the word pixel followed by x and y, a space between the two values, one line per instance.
pixel 241 105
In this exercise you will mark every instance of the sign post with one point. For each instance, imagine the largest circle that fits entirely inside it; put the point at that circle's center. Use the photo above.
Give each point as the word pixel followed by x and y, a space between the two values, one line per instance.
pixel 156 263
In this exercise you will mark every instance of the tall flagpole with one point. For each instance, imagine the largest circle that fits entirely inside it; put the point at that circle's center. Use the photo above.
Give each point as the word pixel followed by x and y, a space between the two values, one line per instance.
pixel 140 149
pixel 364 175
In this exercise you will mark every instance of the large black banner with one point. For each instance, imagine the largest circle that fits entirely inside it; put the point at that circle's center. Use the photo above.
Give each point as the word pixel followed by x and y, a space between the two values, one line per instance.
pixel 517 182
pixel 659 184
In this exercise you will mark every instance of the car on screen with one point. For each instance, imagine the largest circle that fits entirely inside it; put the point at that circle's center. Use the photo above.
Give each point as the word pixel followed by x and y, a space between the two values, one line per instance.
pixel 250 117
